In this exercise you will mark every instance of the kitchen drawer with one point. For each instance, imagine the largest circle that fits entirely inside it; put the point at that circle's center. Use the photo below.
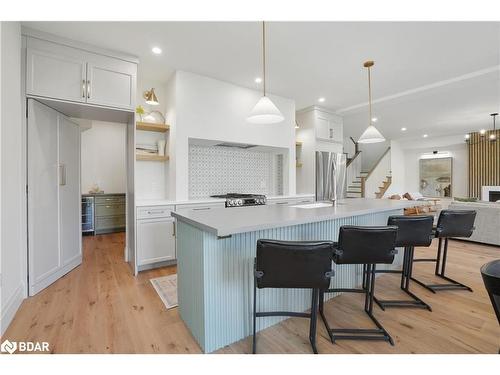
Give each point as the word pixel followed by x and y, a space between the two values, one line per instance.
pixel 109 222
pixel 199 207
pixel 151 212
pixel 290 201
pixel 110 199
pixel 109 209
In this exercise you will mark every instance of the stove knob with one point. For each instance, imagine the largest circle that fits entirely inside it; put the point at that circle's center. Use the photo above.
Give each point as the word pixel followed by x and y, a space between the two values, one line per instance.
pixel 230 202
pixel 239 202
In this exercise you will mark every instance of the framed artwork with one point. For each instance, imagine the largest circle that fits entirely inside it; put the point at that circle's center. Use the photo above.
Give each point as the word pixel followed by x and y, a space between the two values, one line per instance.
pixel 436 177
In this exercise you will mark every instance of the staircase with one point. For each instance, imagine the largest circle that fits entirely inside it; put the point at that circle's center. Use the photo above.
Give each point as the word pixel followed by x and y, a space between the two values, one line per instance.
pixel 371 184
pixel 385 185
pixel 354 189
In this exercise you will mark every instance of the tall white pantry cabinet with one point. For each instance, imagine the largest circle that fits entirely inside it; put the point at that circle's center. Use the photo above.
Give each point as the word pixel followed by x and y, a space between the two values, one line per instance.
pixel 65 79
pixel 54 234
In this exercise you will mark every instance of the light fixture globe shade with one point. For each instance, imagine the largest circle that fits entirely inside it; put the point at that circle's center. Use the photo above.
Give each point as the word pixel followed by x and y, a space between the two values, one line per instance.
pixel 265 112
pixel 371 135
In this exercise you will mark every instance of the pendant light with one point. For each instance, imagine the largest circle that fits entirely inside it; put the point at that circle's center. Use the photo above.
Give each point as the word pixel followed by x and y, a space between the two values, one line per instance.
pixel 371 134
pixel 493 136
pixel 264 112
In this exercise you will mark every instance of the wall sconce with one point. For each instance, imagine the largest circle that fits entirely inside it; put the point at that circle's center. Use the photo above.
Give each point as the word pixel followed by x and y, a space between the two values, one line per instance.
pixel 150 97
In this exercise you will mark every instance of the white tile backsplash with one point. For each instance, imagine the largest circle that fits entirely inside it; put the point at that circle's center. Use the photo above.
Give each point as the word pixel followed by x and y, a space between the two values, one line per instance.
pixel 220 170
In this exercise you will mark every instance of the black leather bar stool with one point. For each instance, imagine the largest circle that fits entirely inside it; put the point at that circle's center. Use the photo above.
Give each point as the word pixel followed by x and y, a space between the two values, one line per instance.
pixel 368 246
pixel 451 223
pixel 491 278
pixel 291 264
pixel 412 231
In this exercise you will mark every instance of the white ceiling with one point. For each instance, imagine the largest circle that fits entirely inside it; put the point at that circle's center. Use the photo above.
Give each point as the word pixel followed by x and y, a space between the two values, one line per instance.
pixel 307 60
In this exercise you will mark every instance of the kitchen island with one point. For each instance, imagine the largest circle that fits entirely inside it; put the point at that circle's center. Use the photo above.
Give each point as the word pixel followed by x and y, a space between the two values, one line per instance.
pixel 216 250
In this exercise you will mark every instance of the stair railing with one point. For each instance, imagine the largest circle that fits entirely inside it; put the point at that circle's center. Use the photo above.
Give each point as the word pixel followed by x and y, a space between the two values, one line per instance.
pixel 353 169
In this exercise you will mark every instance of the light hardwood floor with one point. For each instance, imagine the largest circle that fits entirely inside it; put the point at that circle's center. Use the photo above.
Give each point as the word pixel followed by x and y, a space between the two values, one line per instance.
pixel 100 308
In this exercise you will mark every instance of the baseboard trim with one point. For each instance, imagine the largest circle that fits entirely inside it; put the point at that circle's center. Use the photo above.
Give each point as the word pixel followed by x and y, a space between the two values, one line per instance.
pixel 53 277
pixel 10 308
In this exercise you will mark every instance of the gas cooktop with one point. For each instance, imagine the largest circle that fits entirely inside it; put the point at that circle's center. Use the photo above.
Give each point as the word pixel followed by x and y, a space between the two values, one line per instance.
pixel 239 200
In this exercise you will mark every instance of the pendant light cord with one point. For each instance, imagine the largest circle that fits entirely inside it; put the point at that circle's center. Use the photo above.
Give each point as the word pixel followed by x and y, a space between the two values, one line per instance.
pixel 370 95
pixel 264 55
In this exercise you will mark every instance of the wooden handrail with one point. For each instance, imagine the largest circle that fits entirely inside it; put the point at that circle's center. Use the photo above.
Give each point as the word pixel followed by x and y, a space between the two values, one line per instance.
pixel 378 162
pixel 352 159
pixel 356 145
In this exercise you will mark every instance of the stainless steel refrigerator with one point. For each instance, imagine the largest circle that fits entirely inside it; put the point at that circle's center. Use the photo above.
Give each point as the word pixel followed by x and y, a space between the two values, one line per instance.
pixel 330 176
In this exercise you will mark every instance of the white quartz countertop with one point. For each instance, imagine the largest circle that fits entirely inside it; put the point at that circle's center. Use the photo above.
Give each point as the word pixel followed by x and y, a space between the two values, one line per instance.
pixel 166 202
pixel 227 221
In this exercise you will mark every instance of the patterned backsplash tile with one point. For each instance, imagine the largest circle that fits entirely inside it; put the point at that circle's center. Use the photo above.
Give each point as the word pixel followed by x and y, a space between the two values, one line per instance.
pixel 219 170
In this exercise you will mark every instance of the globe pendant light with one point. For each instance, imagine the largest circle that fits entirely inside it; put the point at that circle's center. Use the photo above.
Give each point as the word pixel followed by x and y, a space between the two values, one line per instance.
pixel 371 134
pixel 264 112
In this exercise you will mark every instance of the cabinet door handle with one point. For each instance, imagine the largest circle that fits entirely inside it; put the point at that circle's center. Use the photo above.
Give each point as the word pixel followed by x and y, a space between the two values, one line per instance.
pixel 173 228
pixel 281 202
pixel 155 212
pixel 201 208
pixel 83 88
pixel 62 174
pixel 88 89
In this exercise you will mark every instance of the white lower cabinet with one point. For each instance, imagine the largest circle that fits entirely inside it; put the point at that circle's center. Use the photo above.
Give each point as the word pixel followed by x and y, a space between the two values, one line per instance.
pixel 155 240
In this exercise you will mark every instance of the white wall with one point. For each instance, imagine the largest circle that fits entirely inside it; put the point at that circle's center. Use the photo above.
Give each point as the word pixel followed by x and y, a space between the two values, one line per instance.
pixel 151 177
pixel 397 170
pixel 408 160
pixel 13 203
pixel 104 157
pixel 207 108
pixel 371 153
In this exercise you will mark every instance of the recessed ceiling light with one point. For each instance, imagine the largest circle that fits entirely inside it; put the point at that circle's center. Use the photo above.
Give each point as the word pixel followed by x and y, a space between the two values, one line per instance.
pixel 156 50
pixel 403 129
pixel 425 135
pixel 258 80
pixel 374 119
pixel 321 100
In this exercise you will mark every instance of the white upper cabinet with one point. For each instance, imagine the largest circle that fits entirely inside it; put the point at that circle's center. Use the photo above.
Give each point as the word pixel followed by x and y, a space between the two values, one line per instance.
pixel 55 71
pixel 328 126
pixel 111 82
pixel 61 72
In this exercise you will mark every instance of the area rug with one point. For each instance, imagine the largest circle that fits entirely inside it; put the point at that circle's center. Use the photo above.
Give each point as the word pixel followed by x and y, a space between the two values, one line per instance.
pixel 166 287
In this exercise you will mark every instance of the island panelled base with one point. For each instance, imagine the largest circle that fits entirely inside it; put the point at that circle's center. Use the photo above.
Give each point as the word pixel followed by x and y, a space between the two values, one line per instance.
pixel 215 278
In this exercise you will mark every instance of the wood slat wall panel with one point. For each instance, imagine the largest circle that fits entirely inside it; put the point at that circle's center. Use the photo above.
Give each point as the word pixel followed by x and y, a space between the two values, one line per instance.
pixel 484 162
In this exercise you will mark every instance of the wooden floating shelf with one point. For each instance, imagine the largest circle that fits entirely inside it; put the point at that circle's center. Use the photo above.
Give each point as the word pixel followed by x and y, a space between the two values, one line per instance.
pixel 152 127
pixel 298 165
pixel 298 143
pixel 144 157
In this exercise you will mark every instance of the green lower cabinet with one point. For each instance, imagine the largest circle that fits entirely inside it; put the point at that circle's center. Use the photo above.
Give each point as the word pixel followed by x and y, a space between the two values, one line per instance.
pixel 110 214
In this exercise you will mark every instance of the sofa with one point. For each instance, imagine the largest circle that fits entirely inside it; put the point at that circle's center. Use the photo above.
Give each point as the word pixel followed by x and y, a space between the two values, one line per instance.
pixel 487 224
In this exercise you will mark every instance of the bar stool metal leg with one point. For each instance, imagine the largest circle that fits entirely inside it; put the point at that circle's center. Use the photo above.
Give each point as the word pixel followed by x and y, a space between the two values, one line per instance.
pixel 440 271
pixel 254 343
pixel 416 302
pixel 367 289
pixel 314 319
